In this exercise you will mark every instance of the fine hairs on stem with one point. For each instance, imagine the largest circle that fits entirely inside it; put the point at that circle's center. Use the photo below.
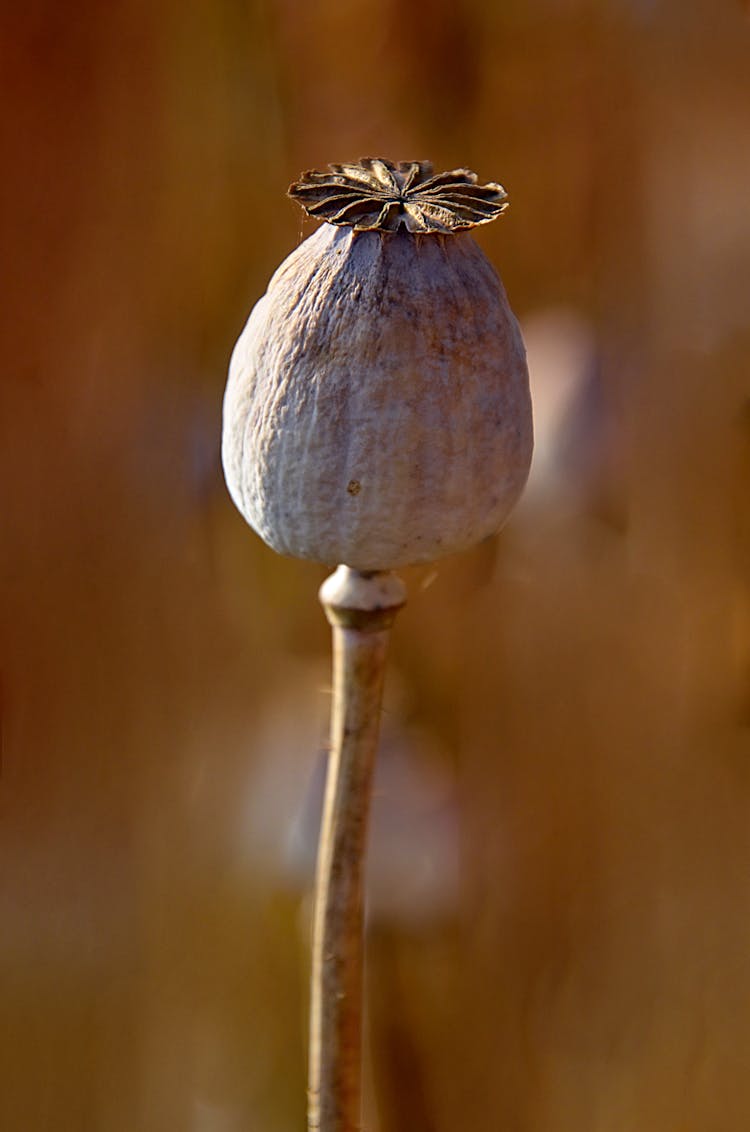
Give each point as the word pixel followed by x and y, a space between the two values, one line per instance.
pixel 361 609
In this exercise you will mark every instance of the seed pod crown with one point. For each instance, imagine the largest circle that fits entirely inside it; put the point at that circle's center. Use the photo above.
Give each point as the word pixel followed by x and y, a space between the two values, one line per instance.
pixel 378 195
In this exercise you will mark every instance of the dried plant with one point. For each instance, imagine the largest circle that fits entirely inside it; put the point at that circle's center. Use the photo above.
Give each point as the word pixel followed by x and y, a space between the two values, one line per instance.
pixel 377 414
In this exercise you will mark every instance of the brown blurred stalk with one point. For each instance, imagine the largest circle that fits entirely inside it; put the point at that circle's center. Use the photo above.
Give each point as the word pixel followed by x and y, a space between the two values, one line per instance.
pixel 361 609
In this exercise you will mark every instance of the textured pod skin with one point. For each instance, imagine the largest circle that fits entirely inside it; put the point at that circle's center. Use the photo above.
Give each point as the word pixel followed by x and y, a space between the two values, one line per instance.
pixel 377 411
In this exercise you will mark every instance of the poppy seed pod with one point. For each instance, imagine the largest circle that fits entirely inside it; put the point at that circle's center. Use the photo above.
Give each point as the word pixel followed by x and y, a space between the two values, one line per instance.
pixel 377 411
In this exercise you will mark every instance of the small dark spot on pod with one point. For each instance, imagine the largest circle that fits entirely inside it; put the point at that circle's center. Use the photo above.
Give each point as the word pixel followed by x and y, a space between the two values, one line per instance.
pixel 354 487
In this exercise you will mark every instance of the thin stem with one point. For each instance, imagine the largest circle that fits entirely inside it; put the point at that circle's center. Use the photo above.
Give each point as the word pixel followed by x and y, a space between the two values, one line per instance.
pixel 361 608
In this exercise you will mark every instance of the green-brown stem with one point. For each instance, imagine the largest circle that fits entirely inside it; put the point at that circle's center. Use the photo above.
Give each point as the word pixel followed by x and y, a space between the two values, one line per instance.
pixel 361 608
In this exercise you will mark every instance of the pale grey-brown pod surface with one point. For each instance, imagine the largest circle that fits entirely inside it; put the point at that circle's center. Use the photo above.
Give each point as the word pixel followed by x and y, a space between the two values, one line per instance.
pixel 377 411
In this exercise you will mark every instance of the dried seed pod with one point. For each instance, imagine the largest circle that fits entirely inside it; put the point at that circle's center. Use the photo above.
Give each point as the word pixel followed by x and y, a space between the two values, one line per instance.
pixel 377 411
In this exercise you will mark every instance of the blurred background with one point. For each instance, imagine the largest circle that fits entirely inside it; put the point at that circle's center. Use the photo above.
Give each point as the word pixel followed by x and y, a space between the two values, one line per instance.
pixel 559 923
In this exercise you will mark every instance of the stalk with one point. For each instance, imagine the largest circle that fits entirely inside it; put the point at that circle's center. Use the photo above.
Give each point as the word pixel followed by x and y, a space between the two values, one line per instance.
pixel 360 608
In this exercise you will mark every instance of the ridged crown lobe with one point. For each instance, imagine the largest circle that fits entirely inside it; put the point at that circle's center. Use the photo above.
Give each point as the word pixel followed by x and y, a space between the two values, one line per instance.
pixel 377 411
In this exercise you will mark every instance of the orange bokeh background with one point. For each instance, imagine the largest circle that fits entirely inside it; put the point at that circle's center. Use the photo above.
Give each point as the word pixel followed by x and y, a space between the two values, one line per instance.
pixel 559 924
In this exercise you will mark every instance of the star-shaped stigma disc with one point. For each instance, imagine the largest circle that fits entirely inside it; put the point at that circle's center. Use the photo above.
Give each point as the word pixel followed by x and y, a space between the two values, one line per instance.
pixel 377 195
